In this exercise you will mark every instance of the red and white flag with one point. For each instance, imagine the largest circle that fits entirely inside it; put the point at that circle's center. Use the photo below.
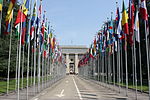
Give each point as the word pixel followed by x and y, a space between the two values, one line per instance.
pixel 143 10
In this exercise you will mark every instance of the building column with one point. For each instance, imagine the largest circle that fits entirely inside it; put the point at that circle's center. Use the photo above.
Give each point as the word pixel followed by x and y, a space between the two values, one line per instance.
pixel 67 63
pixel 76 63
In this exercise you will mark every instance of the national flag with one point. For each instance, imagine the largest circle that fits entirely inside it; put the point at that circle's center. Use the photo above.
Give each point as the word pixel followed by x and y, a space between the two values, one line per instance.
pixel 136 27
pixel 23 33
pixel 17 30
pixel 118 23
pixel 21 17
pixel 33 22
pixel 131 22
pixel 8 24
pixel 143 10
pixel 94 46
pixel 111 26
pixel 40 9
pixel 1 5
pixel 33 15
pixel 9 15
pixel 10 9
pixel 91 53
pixel 26 7
pixel 125 20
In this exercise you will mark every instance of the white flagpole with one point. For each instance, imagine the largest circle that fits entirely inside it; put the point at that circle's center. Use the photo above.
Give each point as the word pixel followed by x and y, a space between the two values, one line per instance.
pixel 121 66
pixel 22 67
pixel 32 64
pixel 8 70
pixel 103 68
pixel 28 59
pixel 126 62
pixel 39 66
pixel 34 73
pixel 114 66
pixel 118 59
pixel 141 79
pixel 18 95
pixel 42 70
pixel 147 55
pixel 17 64
pixel 135 65
pixel 98 61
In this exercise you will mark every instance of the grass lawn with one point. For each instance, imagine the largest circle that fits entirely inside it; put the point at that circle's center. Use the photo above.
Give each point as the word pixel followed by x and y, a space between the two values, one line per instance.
pixel 130 85
pixel 12 82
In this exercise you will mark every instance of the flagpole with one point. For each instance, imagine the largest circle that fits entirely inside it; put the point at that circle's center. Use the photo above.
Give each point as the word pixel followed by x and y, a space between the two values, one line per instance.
pixel 126 64
pixel 106 67
pixel 42 70
pixel 119 63
pixel 98 67
pixel 103 69
pixel 100 64
pixel 32 66
pixel 1 18
pixel 147 55
pixel 109 68
pixel 18 95
pixel 34 73
pixel 39 65
pixel 28 59
pixel 8 71
pixel 114 66
pixel 22 67
pixel 141 80
pixel 17 64
pixel 135 65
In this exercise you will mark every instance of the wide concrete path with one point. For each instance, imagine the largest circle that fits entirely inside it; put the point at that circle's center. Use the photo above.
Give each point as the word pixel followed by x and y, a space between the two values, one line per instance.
pixel 75 88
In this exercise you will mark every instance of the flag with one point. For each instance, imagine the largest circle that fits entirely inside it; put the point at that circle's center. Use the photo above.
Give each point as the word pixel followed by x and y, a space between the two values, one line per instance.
pixel 111 26
pixel 1 5
pixel 9 16
pixel 17 30
pixel 40 9
pixel 33 22
pixel 125 20
pixel 143 10
pixel 136 27
pixel 23 33
pixel 20 17
pixel 91 53
pixel 10 9
pixel 33 15
pixel 94 47
pixel 118 23
pixel 131 22
pixel 26 7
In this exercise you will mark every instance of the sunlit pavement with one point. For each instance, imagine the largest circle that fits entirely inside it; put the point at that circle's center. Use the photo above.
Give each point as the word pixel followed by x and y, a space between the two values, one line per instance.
pixel 73 87
pixel 76 88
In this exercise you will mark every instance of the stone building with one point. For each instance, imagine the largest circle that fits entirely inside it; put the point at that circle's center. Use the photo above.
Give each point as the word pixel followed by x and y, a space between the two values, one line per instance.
pixel 72 55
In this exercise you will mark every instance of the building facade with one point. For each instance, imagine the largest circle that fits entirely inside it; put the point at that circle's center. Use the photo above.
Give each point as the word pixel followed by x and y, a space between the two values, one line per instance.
pixel 72 56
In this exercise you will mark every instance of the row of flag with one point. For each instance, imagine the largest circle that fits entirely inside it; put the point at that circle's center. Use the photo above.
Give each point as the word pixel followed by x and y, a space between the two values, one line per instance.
pixel 32 24
pixel 122 29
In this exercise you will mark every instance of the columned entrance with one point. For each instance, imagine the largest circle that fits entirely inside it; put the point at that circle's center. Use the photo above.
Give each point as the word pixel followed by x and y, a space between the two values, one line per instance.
pixel 72 55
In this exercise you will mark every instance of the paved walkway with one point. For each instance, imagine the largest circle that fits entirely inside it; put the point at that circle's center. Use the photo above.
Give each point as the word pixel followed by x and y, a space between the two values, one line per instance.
pixel 75 88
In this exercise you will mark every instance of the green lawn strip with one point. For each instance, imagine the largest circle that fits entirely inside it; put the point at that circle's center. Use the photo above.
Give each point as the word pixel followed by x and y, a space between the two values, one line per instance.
pixel 12 82
pixel 130 85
